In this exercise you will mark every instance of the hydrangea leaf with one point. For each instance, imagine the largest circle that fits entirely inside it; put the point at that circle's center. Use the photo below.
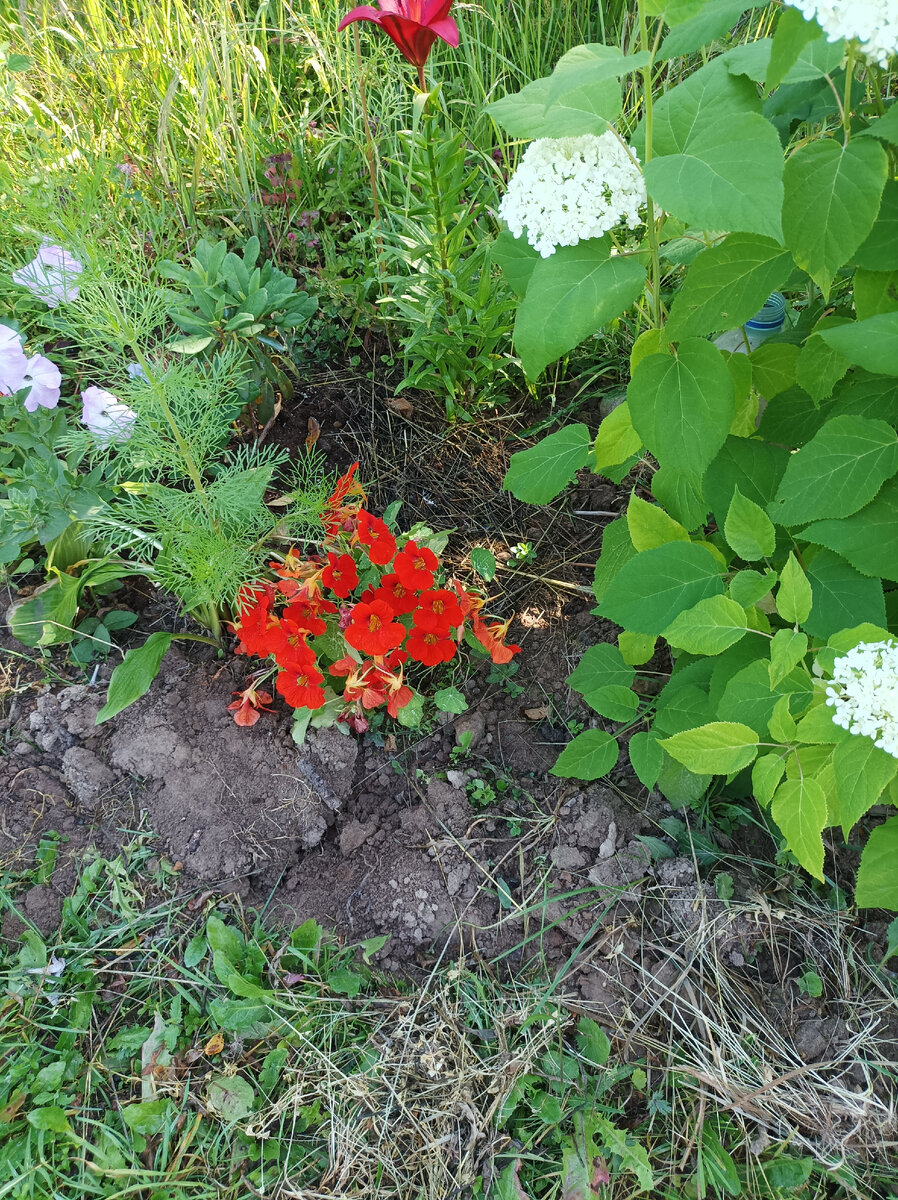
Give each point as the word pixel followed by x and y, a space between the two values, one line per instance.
pixel 600 666
pixel 516 259
pixel 616 439
pixel 646 757
pixel 572 294
pixel 794 598
pixel 787 649
pixel 653 587
pixel 875 292
pixel 680 494
pixel 871 344
pixel 718 748
pixel 712 20
pixel 755 467
pixel 591 755
pixel 766 775
pixel 842 596
pixel 617 549
pixel 799 809
pixel 709 627
pixel 636 648
pixel 862 772
pixel 867 539
pixel 749 698
pixel 682 405
pixel 792 35
pixel 727 285
pixel 838 471
pixel 748 529
pixel 537 475
pixel 819 366
pixel 877 879
pixel 748 587
pixel 773 367
pixel 832 197
pixel 650 526
pixel 879 250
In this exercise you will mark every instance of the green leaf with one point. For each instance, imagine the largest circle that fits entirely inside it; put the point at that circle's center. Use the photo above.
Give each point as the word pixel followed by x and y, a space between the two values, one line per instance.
pixel 148 1117
pixel 714 19
pixel 593 1042
pixel 450 700
pixel 753 466
pixel 616 439
pixel 749 699
pixel 592 63
pixel 766 775
pixel 717 163
pixel 131 679
pixel 773 368
pixel 781 724
pixel 617 549
pixel 636 648
pixel 537 475
pixel 516 258
pixel 877 879
pixel 819 367
pixel 195 950
pixel 727 284
pixel 748 587
pixel 650 526
pixel 709 627
pixel 832 197
pixel 646 757
pixel 787 650
pixel 584 94
pixel 651 589
pixel 842 597
pixel 523 113
pixel 799 809
pixel 868 539
pixel 682 406
pixel 601 666
pixel 879 250
pixel 817 727
pixel 837 472
pixel 862 772
pixel 718 748
pixel 51 1119
pixel 47 617
pixel 411 715
pixel 875 292
pixel 748 529
pixel 344 982
pixel 792 34
pixel 591 755
pixel 871 344
pixel 793 600
pixel 484 563
pixel 225 940
pixel 680 494
pixel 230 1096
pixel 572 294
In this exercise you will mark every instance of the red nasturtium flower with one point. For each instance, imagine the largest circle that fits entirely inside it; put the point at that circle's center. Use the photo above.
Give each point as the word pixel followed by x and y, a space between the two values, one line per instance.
pixel 373 630
pixel 415 566
pixel 250 705
pixel 336 509
pixel 376 537
pixel 430 648
pixel 300 685
pixel 437 612
pixel 401 599
pixel 492 638
pixel 413 25
pixel 340 574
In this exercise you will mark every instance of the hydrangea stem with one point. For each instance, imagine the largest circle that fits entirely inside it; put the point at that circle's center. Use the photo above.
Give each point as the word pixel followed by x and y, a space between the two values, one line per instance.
pixel 849 79
pixel 651 225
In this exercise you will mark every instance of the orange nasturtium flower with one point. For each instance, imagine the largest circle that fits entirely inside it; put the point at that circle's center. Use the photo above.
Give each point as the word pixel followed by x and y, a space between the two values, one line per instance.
pixel 372 629
pixel 340 574
pixel 437 611
pixel 400 598
pixel 251 704
pixel 492 638
pixel 300 685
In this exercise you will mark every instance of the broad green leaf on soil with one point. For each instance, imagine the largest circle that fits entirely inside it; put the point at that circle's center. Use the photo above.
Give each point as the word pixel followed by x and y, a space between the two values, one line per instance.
pixel 714 19
pixel 748 529
pixel 709 627
pixel 862 773
pixel 879 250
pixel 766 774
pixel 484 563
pixel 646 757
pixel 636 648
pixel 755 467
pixel 727 285
pixel 793 599
pixel 131 679
pixel 631 1154
pixel 412 714
pixel 650 526
pixel 792 34
pixel 516 258
pixel 799 809
pixel 871 344
pixel 48 615
pixel 231 1096
pixel 684 708
pixel 832 197
pixel 842 596
pixel 773 368
pixel 875 292
pixel 715 749
pixel 52 1118
pixel 147 1117
pixel 837 472
pixel 819 367
pixel 682 406
pixel 877 878
pixel 748 587
pixel 617 549
pixel 450 700
pixel 680 494
pixel 716 162
pixel 572 294
pixel 616 439
pixel 593 1042
pixel 591 755
pixel 787 649
pixel 679 785
pixel 537 475
pixel 867 539
pixel 600 666
pixel 651 589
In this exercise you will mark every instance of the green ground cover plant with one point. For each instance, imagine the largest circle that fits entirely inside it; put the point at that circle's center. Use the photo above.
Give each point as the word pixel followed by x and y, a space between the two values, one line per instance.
pixel 759 540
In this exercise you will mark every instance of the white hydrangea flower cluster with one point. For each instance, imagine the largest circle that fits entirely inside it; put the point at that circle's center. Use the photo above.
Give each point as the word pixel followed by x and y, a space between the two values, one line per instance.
pixel 569 189
pixel 864 693
pixel 874 23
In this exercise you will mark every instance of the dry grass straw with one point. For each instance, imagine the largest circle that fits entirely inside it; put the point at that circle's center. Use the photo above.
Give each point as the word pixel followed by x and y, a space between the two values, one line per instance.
pixel 413 1117
pixel 741 1038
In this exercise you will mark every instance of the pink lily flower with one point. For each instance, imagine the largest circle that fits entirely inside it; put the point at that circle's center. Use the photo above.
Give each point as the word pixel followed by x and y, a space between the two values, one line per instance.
pixel 414 25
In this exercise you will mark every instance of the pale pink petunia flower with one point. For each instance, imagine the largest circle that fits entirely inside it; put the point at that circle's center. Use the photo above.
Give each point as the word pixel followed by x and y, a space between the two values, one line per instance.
pixel 13 362
pixel 108 419
pixel 51 276
pixel 45 380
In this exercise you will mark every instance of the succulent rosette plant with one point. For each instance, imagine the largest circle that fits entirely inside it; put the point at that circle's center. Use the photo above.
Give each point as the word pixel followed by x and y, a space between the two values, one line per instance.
pixel 342 629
